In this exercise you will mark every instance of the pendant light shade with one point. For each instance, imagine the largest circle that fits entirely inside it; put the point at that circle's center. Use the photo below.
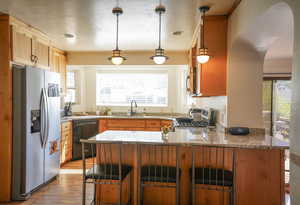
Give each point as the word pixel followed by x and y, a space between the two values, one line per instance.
pixel 203 56
pixel 159 57
pixel 117 58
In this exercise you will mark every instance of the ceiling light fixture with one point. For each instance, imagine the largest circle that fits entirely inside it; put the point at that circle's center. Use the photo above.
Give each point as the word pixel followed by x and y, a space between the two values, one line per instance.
pixel 116 57
pixel 71 38
pixel 159 57
pixel 203 56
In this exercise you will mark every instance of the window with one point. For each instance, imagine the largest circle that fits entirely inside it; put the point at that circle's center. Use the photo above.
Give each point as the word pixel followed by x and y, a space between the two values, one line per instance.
pixel 118 89
pixel 71 87
pixel 277 97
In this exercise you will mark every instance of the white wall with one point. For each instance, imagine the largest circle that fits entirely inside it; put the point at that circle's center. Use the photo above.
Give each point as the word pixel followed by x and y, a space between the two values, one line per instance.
pixel 177 96
pixel 217 103
pixel 278 65
pixel 244 86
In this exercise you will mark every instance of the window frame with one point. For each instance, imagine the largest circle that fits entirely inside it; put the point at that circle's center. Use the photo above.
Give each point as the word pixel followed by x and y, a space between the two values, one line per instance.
pixel 76 87
pixel 165 72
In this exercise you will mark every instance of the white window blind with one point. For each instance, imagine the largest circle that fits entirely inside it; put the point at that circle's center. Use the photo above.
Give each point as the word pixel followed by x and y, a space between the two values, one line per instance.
pixel 118 89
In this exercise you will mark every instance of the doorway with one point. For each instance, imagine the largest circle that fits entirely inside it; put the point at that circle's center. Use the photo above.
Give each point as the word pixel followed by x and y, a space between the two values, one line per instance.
pixel 277 99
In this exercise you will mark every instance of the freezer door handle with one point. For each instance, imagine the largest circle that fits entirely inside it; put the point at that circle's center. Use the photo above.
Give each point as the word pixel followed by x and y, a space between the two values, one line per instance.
pixel 46 118
pixel 42 116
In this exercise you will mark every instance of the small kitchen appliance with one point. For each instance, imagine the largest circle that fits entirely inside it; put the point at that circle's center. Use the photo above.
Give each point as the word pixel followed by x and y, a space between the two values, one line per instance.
pixel 198 118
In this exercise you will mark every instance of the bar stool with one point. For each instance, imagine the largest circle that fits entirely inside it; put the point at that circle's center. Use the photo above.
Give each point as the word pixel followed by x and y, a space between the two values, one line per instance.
pixel 212 172
pixel 158 170
pixel 108 169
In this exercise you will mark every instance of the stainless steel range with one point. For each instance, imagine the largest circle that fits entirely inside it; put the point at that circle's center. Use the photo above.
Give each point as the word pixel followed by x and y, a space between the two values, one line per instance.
pixel 205 118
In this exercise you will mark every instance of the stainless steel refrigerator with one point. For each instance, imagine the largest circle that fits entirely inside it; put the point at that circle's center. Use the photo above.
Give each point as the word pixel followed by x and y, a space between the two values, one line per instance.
pixel 36 129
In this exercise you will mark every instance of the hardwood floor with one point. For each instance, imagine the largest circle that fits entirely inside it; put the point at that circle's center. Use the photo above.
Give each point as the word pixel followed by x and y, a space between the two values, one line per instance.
pixel 65 190
pixel 78 164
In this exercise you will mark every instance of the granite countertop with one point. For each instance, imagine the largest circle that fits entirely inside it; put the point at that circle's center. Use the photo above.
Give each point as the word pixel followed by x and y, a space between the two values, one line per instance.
pixel 148 116
pixel 195 136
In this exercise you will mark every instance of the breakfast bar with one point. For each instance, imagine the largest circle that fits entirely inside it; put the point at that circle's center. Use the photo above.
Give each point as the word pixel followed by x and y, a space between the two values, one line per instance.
pixel 212 167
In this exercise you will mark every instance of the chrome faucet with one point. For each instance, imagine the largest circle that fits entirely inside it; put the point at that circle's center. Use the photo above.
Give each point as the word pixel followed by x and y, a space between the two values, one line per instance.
pixel 131 108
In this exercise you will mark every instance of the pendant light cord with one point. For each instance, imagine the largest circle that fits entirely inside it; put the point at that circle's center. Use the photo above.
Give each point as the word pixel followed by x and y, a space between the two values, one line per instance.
pixel 117 38
pixel 202 36
pixel 159 47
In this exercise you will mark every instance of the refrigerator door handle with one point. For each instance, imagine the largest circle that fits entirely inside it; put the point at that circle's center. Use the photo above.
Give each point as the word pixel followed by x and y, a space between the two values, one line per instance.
pixel 42 117
pixel 47 118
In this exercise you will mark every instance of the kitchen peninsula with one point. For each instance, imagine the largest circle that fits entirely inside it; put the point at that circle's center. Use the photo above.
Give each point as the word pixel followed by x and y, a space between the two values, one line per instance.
pixel 256 161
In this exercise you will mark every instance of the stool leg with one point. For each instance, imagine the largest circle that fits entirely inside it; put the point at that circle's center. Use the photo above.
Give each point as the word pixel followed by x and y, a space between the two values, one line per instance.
pixel 177 177
pixel 94 194
pixel 141 194
pixel 83 175
pixel 120 193
pixel 231 197
pixel 129 189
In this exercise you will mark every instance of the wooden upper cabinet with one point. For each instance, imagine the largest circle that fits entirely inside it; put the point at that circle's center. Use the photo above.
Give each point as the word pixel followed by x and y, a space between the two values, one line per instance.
pixel 192 78
pixel 28 45
pixel 41 50
pixel 209 79
pixel 63 72
pixel 54 60
pixel 58 63
pixel 21 45
pixel 213 74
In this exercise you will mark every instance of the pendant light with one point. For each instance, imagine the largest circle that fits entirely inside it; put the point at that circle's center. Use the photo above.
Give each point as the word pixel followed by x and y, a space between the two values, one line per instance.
pixel 203 56
pixel 159 57
pixel 116 57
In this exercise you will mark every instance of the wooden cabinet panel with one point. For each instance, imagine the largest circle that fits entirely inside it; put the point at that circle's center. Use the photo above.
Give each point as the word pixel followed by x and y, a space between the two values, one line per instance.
pixel 125 123
pixel 213 73
pixel 209 79
pixel 41 50
pixel 58 63
pixel 66 142
pixel 54 61
pixel 132 124
pixel 157 129
pixel 259 176
pixel 63 72
pixel 102 125
pixel 153 123
pixel 128 128
pixel 166 123
pixel 21 46
pixel 66 126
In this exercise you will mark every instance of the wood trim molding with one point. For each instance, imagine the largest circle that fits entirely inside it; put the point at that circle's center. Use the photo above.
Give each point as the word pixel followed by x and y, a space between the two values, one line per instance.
pixel 6 110
pixel 234 6
pixel 295 159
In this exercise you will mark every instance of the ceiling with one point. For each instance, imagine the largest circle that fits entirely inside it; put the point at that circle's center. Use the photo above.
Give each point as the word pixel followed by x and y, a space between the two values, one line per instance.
pixel 94 25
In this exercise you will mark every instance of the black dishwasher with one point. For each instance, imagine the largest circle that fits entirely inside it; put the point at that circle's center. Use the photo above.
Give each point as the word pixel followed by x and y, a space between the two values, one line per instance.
pixel 83 129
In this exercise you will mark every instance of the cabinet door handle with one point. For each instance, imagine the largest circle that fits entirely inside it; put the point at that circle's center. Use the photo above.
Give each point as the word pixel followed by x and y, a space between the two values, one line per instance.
pixel 187 82
pixel 36 59
pixel 32 58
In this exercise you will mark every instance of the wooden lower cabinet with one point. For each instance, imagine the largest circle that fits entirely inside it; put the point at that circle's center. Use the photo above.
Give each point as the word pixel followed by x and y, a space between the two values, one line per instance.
pixel 133 124
pixel 66 142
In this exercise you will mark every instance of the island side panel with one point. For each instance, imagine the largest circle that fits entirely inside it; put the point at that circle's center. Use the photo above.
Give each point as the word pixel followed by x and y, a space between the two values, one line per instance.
pixel 259 176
